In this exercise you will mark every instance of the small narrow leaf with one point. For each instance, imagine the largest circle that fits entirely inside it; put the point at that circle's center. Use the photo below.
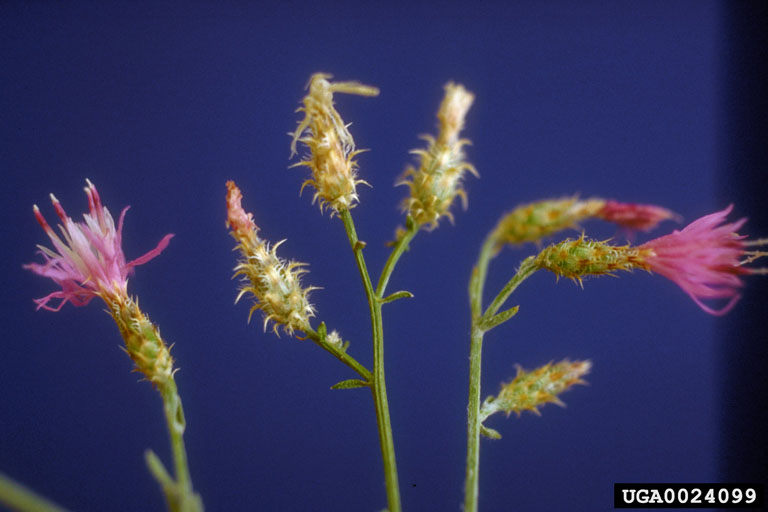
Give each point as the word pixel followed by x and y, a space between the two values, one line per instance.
pixel 351 384
pixel 402 294
pixel 489 432
pixel 499 318
pixel 322 330
pixel 158 470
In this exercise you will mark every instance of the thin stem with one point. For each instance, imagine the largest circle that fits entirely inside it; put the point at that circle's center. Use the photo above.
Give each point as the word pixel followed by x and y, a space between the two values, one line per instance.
pixel 185 498
pixel 339 354
pixel 474 417
pixel 476 285
pixel 479 274
pixel 400 247
pixel 527 267
pixel 379 388
pixel 17 497
pixel 472 479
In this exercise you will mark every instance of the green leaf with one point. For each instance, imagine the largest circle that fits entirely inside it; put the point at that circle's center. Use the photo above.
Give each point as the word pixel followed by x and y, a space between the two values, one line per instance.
pixel 489 432
pixel 351 384
pixel 322 330
pixel 402 294
pixel 499 318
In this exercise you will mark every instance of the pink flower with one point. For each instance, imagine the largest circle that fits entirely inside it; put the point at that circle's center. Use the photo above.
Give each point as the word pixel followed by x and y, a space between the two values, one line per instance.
pixel 706 259
pixel 642 217
pixel 90 260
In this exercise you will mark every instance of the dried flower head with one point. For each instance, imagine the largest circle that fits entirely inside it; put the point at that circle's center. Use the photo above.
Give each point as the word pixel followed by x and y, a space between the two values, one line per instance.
pixel 274 283
pixel 437 181
pixel 529 390
pixel 534 221
pixel 331 147
pixel 89 261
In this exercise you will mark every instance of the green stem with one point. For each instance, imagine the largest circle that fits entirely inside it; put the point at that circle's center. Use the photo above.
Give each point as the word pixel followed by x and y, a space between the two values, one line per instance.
pixel 412 227
pixel 476 285
pixel 184 498
pixel 473 421
pixel 479 274
pixel 339 354
pixel 527 267
pixel 17 497
pixel 379 388
pixel 474 418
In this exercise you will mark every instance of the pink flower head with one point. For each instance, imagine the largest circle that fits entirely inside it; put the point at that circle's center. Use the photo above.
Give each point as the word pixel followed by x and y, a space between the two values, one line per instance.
pixel 89 261
pixel 705 259
pixel 641 217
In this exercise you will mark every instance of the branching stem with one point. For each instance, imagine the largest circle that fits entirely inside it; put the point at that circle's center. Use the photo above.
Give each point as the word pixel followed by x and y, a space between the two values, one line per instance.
pixel 481 323
pixel 379 388
pixel 339 354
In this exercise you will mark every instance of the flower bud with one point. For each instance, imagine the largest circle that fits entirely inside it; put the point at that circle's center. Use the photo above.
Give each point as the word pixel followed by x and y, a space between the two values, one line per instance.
pixel 528 390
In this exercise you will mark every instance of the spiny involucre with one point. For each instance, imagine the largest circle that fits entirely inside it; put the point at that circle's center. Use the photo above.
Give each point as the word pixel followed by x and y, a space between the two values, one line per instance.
pixel 331 146
pixel 529 390
pixel 437 181
pixel 274 283
pixel 144 345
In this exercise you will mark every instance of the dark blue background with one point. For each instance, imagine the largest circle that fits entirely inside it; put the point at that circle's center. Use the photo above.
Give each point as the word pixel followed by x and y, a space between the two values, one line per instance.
pixel 160 103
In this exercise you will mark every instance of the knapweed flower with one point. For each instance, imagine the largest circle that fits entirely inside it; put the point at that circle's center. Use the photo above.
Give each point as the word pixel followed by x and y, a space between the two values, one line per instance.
pixel 529 390
pixel 706 259
pixel 437 181
pixel 534 221
pixel 89 261
pixel 331 147
pixel 274 283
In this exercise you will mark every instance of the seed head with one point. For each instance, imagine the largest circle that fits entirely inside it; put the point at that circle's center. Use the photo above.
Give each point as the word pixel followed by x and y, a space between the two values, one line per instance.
pixel 438 179
pixel 331 147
